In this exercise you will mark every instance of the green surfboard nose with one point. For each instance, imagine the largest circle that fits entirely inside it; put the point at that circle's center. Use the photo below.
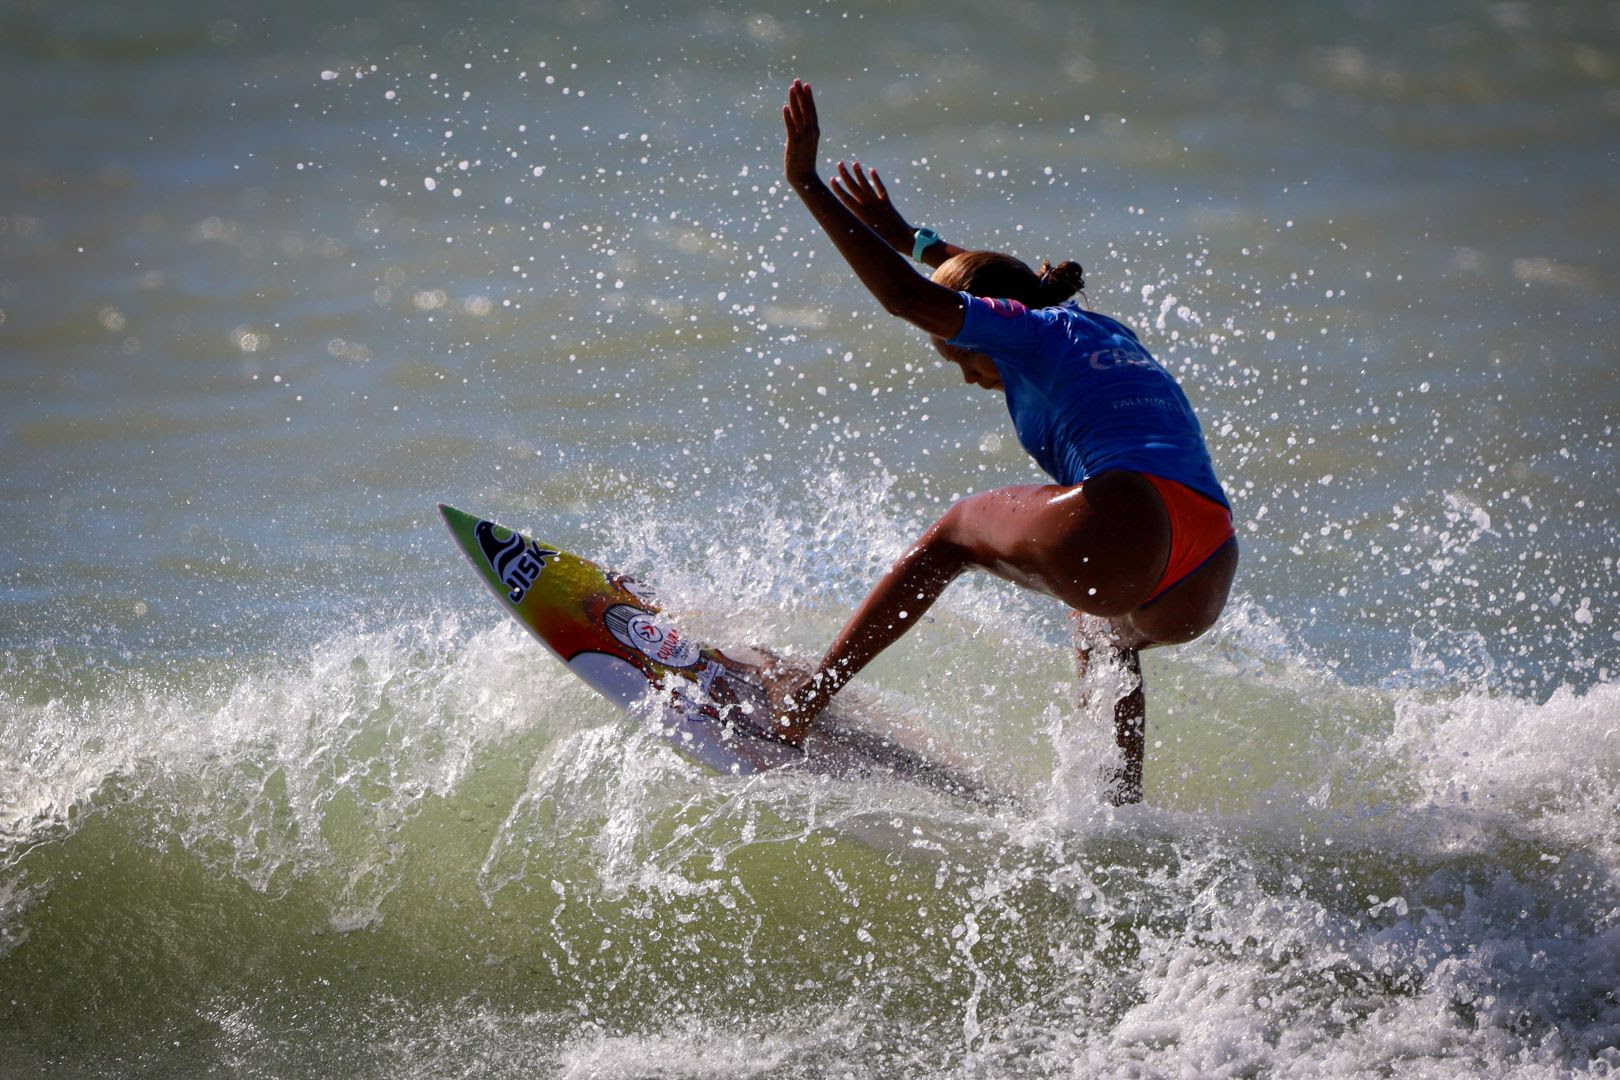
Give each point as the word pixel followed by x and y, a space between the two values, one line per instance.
pixel 458 520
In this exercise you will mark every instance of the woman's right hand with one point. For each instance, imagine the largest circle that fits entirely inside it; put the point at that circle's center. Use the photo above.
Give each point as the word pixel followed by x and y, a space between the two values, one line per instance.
pixel 862 191
pixel 803 135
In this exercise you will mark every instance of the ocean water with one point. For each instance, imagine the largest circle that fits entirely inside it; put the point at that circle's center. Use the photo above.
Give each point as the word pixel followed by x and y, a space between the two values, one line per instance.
pixel 283 794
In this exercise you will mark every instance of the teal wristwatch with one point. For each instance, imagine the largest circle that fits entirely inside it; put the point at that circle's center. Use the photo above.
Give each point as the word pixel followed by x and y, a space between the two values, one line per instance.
pixel 925 238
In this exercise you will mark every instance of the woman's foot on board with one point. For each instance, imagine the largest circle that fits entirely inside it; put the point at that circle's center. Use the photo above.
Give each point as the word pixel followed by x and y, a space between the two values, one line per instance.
pixel 796 697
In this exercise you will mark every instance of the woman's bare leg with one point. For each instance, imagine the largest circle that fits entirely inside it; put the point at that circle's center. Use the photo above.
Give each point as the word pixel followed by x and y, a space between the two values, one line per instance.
pixel 1098 547
pixel 1130 733
pixel 893 606
pixel 1130 714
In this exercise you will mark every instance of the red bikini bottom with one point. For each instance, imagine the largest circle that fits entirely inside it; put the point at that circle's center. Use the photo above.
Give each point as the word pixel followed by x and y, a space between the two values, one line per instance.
pixel 1199 526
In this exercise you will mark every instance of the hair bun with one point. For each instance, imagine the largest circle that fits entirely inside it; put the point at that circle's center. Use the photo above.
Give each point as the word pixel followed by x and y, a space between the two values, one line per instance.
pixel 1060 282
pixel 997 275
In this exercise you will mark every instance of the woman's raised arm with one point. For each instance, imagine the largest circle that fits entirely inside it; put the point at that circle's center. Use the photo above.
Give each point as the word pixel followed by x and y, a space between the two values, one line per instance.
pixel 884 271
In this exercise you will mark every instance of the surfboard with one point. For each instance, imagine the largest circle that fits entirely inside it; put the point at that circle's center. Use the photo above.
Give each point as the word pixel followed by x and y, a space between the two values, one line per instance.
pixel 607 629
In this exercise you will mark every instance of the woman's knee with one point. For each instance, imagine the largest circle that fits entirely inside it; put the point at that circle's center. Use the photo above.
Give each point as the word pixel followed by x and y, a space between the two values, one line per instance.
pixel 961 528
pixel 941 547
pixel 996 523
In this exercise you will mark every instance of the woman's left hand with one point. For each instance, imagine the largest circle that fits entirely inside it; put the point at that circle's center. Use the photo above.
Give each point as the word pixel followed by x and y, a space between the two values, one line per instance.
pixel 803 134
pixel 862 191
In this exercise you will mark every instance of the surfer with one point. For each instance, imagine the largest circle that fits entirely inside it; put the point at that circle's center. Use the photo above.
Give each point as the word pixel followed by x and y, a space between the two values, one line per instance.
pixel 1136 533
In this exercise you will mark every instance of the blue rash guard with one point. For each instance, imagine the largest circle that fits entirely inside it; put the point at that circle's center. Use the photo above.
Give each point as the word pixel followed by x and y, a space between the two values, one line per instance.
pixel 1085 396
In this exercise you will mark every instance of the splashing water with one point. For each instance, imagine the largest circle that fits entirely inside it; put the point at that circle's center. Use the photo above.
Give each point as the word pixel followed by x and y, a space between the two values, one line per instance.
pixel 281 793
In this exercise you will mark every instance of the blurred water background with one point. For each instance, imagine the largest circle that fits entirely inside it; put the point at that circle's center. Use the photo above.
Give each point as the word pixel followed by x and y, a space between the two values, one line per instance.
pixel 282 794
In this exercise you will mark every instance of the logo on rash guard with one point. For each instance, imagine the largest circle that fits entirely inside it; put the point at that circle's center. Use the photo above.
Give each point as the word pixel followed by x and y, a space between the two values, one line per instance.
pixel 1007 309
pixel 1115 356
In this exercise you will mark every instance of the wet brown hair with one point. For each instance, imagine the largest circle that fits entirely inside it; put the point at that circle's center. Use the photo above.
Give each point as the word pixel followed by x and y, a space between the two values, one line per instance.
pixel 995 275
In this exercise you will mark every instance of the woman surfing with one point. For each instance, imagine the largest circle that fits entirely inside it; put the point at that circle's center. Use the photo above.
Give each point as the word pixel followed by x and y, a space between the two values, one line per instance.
pixel 1135 534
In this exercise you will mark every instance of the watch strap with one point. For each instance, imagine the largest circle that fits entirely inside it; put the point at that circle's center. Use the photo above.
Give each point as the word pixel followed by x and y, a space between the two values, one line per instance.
pixel 923 239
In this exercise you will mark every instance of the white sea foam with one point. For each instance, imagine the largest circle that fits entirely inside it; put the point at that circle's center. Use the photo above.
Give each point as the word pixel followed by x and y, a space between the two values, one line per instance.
pixel 1361 917
pixel 298 767
pixel 1545 771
